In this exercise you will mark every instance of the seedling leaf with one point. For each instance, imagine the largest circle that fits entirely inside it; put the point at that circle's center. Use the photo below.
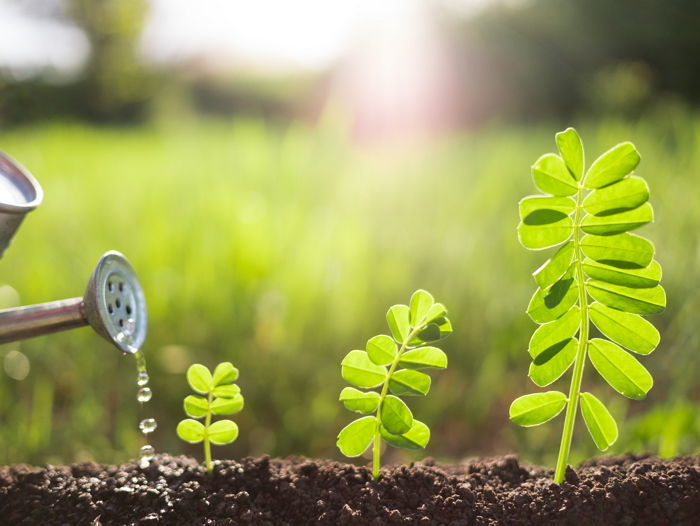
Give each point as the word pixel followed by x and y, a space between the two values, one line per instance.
pixel 629 277
pixel 544 229
pixel 381 349
pixel 196 406
pixel 359 370
pixel 224 373
pixel 200 379
pixel 612 166
pixel 222 432
pixel 629 330
pixel 628 299
pixel 395 415
pixel 398 319
pixel 190 431
pixel 549 365
pixel 359 401
pixel 571 150
pixel 600 423
pixel 227 406
pixel 415 438
pixel 226 391
pixel 620 250
pixel 538 408
pixel 564 206
pixel 619 222
pixel 550 304
pixel 553 269
pixel 620 369
pixel 424 358
pixel 409 382
pixel 356 437
pixel 552 176
pixel 626 194
pixel 421 302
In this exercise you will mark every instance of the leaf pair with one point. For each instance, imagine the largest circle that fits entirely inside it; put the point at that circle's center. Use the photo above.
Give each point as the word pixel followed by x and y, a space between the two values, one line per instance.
pixel 600 273
pixel 394 363
pixel 221 397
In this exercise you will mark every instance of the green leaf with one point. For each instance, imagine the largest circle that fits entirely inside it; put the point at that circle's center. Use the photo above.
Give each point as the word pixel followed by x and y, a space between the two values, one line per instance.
pixel 398 319
pixel 438 329
pixel 360 371
pixel 551 364
pixel 612 166
pixel 409 382
pixel 554 268
pixel 381 349
pixel 395 415
pixel 227 406
pixel 555 332
pixel 359 401
pixel 196 406
pixel 226 391
pixel 637 301
pixel 537 408
pixel 415 438
pixel 571 150
pixel 437 310
pixel 199 378
pixel 544 229
pixel 617 223
pixel 621 250
pixel 629 277
pixel 620 369
pixel 600 423
pixel 222 432
pixel 626 194
pixel 549 304
pixel 534 203
pixel 421 302
pixel 629 330
pixel 190 431
pixel 224 373
pixel 424 358
pixel 552 176
pixel 355 438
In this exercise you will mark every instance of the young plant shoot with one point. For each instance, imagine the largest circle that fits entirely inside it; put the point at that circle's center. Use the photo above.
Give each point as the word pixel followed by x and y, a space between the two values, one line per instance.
pixel 599 274
pixel 217 395
pixel 393 365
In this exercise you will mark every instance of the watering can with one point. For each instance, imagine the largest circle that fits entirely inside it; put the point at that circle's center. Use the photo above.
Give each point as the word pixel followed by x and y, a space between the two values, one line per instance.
pixel 113 304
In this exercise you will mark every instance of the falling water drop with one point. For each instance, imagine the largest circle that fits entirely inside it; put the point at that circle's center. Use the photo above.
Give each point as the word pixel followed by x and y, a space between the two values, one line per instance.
pixel 144 394
pixel 146 455
pixel 148 425
pixel 142 378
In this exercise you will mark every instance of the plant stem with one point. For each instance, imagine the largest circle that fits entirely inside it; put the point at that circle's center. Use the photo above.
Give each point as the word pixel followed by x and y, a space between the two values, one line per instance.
pixel 207 445
pixel 577 375
pixel 376 448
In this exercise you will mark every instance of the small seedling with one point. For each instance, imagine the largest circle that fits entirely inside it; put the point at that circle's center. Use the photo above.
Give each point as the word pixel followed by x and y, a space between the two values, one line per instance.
pixel 600 273
pixel 393 364
pixel 220 396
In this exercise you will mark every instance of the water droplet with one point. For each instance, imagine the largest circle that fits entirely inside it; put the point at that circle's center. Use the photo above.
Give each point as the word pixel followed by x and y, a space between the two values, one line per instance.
pixel 146 455
pixel 144 394
pixel 148 425
pixel 142 378
pixel 130 326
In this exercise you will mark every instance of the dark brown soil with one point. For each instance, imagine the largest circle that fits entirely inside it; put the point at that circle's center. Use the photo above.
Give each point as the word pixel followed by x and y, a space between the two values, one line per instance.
pixel 177 491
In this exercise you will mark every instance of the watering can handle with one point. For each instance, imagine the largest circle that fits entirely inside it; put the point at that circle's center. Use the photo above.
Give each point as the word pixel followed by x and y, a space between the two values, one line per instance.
pixel 44 318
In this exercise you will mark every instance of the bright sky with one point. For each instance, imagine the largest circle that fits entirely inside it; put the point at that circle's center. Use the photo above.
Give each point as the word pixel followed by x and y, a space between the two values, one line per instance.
pixel 262 33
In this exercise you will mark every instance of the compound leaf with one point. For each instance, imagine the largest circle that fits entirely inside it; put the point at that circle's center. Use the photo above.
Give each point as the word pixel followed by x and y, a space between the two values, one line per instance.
pixel 638 301
pixel 626 194
pixel 420 304
pixel 629 330
pixel 555 332
pixel 549 304
pixel 196 406
pixel 200 378
pixel 359 401
pixel 381 349
pixel 544 229
pixel 537 408
pixel 553 269
pixel 226 391
pixel 409 382
pixel 552 176
pixel 398 319
pixel 620 369
pixel 227 406
pixel 222 432
pixel 415 438
pixel 571 150
pixel 356 437
pixel 620 250
pixel 549 365
pixel 600 423
pixel 357 369
pixel 629 277
pixel 395 415
pixel 424 358
pixel 190 431
pixel 619 222
pixel 612 166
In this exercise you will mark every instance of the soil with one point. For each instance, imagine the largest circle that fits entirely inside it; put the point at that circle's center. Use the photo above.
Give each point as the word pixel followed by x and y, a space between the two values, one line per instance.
pixel 176 490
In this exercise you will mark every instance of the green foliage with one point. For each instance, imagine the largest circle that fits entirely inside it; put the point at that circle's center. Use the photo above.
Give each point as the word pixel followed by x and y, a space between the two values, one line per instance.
pixel 601 274
pixel 220 397
pixel 412 327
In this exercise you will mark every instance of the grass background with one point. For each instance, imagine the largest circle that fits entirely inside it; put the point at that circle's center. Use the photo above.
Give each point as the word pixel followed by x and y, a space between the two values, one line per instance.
pixel 280 249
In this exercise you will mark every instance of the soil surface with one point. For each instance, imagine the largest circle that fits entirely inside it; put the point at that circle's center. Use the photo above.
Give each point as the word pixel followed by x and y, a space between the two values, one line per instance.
pixel 176 490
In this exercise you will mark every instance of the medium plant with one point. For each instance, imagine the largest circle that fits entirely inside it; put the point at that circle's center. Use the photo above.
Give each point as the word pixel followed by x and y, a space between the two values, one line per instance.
pixel 219 396
pixel 600 274
pixel 393 365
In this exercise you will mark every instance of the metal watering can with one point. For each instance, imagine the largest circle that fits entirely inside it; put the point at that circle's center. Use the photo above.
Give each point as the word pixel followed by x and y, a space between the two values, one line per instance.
pixel 113 304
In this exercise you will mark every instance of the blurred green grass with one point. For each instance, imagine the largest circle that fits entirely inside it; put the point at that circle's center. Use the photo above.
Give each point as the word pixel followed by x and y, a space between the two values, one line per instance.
pixel 280 249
